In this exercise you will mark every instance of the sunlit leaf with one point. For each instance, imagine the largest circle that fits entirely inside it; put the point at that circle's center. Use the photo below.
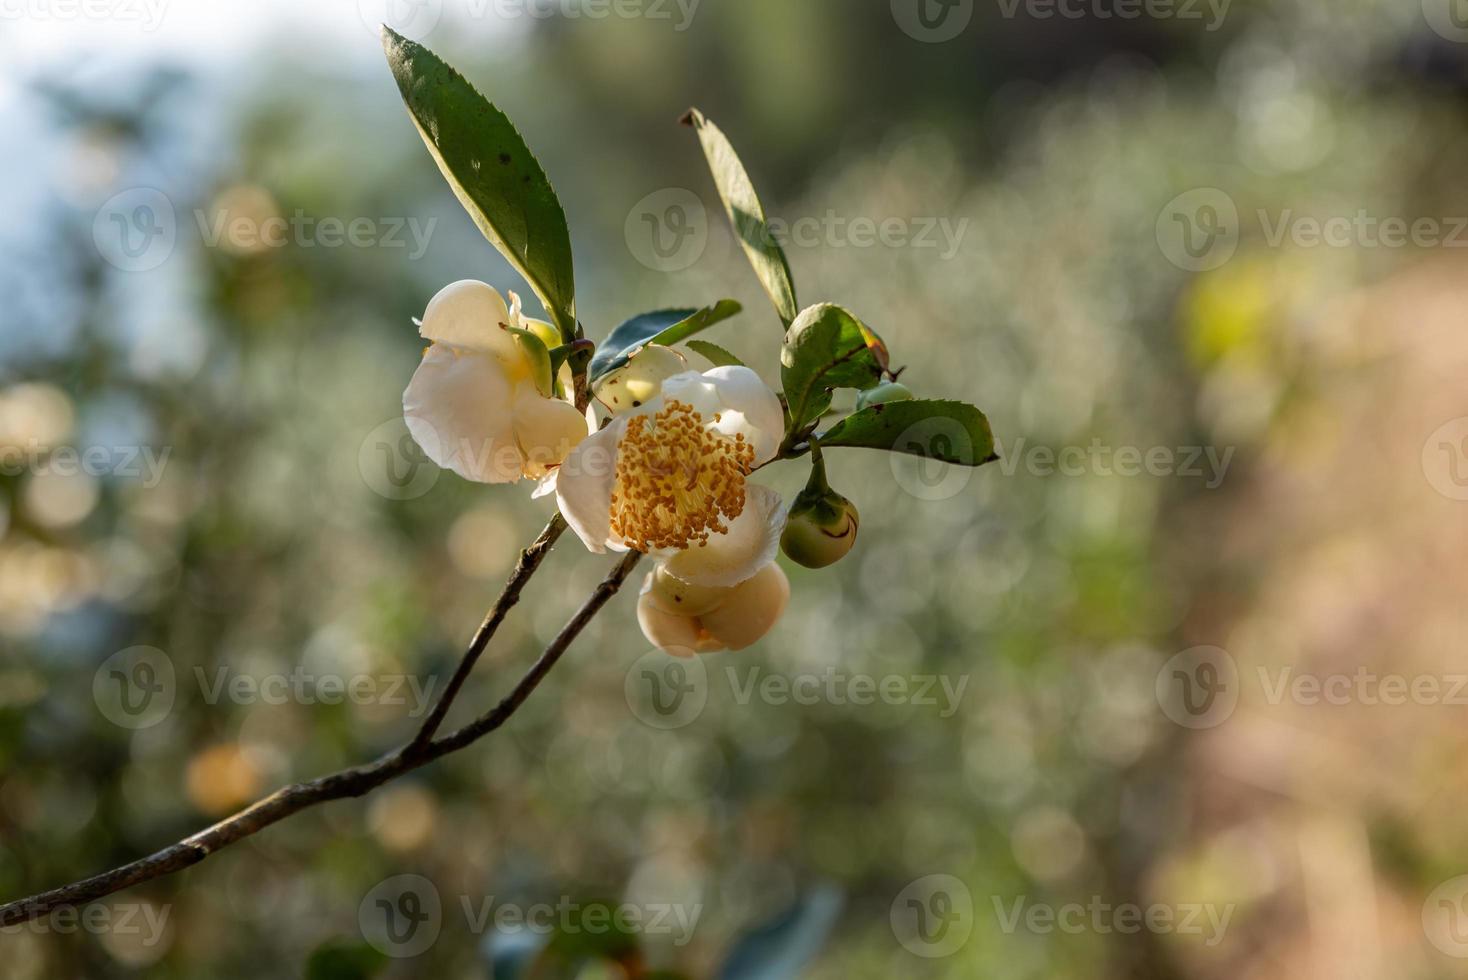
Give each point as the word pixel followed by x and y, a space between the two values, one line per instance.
pixel 825 348
pixel 747 215
pixel 951 432
pixel 714 354
pixel 491 171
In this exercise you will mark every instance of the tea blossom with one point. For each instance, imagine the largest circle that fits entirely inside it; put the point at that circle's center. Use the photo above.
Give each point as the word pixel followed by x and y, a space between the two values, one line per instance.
pixel 481 404
pixel 668 475
pixel 683 619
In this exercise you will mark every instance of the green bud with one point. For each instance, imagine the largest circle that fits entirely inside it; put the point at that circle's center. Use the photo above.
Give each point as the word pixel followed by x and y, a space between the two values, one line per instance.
pixel 891 391
pixel 821 529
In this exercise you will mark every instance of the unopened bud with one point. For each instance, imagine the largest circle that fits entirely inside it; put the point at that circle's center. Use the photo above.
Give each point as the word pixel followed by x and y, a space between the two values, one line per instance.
pixel 891 391
pixel 821 529
pixel 640 380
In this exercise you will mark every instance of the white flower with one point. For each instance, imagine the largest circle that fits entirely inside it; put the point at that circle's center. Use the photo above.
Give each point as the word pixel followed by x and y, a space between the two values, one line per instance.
pixel 684 620
pixel 668 477
pixel 480 404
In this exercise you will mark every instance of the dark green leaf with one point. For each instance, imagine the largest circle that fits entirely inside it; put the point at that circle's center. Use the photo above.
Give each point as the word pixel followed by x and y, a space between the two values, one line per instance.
pixel 715 354
pixel 747 216
pixel 341 960
pixel 943 430
pixel 666 327
pixel 781 949
pixel 826 347
pixel 491 171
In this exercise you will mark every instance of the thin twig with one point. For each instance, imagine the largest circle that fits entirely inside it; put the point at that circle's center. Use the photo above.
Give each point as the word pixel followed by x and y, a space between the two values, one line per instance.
pixel 501 712
pixel 353 782
pixel 530 560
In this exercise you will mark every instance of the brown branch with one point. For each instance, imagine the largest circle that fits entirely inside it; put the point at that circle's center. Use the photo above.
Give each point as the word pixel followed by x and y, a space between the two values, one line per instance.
pixel 353 782
pixel 530 560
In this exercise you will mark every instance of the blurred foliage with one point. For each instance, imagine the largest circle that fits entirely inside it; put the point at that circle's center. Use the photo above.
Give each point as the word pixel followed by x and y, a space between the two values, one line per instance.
pixel 263 546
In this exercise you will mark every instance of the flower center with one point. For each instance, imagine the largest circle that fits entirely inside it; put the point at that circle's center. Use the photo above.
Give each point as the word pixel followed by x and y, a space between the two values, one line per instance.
pixel 677 482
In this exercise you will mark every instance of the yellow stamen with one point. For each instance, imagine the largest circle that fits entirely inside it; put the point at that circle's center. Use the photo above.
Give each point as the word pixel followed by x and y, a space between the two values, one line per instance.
pixel 677 481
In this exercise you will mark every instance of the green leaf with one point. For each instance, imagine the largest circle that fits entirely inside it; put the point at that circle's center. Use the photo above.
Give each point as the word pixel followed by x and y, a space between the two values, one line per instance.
pixel 341 960
pixel 747 216
pixel 951 432
pixel 714 354
pixel 492 172
pixel 666 327
pixel 826 347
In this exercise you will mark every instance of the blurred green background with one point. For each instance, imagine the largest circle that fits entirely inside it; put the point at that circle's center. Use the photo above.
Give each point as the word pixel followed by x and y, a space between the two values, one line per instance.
pixel 1073 161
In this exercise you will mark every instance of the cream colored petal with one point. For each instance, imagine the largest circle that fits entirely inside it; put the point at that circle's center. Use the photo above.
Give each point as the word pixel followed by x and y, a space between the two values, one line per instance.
pixel 459 409
pixel 670 594
pixel 752 541
pixel 546 429
pixel 584 486
pixel 751 407
pixel 640 380
pixel 546 486
pixel 469 314
pixel 740 400
pixel 681 636
pixel 751 610
pixel 694 390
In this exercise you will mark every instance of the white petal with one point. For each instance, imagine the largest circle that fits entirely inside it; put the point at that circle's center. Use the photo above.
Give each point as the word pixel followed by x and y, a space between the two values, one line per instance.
pixel 746 397
pixel 752 541
pixel 546 486
pixel 750 612
pixel 681 636
pixel 584 486
pixel 546 429
pixel 741 399
pixel 458 408
pixel 694 390
pixel 469 314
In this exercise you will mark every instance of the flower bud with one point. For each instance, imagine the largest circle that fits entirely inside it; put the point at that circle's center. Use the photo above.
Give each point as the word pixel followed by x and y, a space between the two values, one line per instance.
pixel 730 618
pixel 821 529
pixel 752 609
pixel 671 594
pixel 891 391
pixel 640 380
